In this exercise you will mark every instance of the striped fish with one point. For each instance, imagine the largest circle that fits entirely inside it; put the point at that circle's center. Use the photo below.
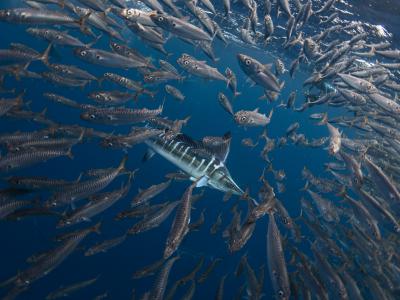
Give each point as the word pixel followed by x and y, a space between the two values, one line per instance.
pixel 200 159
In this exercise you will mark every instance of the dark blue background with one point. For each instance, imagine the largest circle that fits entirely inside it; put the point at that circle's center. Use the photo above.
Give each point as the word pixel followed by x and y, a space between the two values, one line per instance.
pixel 21 239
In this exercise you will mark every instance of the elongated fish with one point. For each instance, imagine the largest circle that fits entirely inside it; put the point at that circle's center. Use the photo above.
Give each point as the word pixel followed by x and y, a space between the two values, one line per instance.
pixel 276 261
pixel 197 159
pixel 81 190
pixel 180 226
pixel 158 290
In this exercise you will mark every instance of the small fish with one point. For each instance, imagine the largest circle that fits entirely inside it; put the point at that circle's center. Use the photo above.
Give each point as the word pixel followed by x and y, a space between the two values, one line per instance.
pixel 120 115
pixel 107 59
pixel 158 290
pixel 110 98
pixel 83 189
pixel 200 68
pixel 174 92
pixel 232 81
pixel 66 291
pixel 203 277
pixel 335 139
pixel 179 27
pixel 225 103
pixel 180 225
pixel 276 261
pixel 23 159
pixel 252 118
pixel 148 270
pixel 149 193
pixel 105 246
pixel 153 219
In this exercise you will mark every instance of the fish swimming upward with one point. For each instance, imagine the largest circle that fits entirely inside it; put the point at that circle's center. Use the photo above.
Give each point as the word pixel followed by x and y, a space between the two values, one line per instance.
pixel 200 159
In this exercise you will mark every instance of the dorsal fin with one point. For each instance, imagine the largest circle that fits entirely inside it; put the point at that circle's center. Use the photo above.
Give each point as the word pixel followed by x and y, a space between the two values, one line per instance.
pixel 218 146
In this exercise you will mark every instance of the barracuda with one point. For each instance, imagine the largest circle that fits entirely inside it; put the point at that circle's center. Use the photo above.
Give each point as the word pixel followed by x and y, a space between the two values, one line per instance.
pixel 198 159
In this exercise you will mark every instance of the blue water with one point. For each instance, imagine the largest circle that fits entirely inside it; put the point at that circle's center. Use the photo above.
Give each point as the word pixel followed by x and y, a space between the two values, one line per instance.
pixel 21 239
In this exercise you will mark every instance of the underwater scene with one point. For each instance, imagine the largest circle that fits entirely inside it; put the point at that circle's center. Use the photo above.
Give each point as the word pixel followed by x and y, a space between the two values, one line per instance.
pixel 199 149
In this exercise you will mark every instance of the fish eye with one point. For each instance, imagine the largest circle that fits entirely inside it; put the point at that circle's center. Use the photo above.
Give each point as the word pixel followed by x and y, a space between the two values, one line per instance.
pixel 248 62
pixel 160 19
pixel 98 57
pixel 92 116
pixel 110 144
pixel 129 12
pixel 243 118
pixel 281 293
pixel 83 53
pixel 186 62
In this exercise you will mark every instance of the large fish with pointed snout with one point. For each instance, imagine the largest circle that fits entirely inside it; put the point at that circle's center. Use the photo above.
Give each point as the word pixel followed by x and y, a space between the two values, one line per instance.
pixel 200 159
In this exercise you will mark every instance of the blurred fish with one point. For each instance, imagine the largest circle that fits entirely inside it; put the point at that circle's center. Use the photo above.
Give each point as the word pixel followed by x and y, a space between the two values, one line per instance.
pixel 66 291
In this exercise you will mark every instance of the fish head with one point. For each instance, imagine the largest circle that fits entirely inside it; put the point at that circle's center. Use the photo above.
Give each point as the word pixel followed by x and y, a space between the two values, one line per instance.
pixel 161 20
pixel 184 61
pixel 128 13
pixel 87 116
pixel 31 30
pixel 150 78
pixel 333 148
pixel 282 295
pixel 247 63
pixel 268 19
pixel 109 142
pixel 222 180
pixel 81 52
pixel 242 117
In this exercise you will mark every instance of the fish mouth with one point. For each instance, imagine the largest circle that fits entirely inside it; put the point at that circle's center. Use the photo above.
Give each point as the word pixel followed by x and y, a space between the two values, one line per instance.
pixel 241 57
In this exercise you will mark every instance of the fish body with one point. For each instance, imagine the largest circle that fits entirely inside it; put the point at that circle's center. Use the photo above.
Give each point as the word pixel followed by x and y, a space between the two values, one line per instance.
pixel 179 27
pixel 197 160
pixel 252 118
pixel 107 59
pixel 276 261
pixel 120 115
pixel 35 17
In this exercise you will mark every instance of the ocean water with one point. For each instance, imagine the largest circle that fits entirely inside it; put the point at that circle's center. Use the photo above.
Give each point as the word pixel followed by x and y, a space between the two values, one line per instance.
pixel 20 239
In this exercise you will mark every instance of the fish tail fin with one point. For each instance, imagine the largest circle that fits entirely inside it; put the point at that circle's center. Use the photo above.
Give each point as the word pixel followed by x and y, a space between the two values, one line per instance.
pixel 324 120
pixel 82 135
pixel 96 39
pixel 70 154
pixel 306 186
pixel 342 192
pixel 45 56
pixel 43 112
pixel 82 22
pixel 122 164
pixel 96 228
pixel 271 113
pixel 19 99
pixel 161 107
pixel 8 281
